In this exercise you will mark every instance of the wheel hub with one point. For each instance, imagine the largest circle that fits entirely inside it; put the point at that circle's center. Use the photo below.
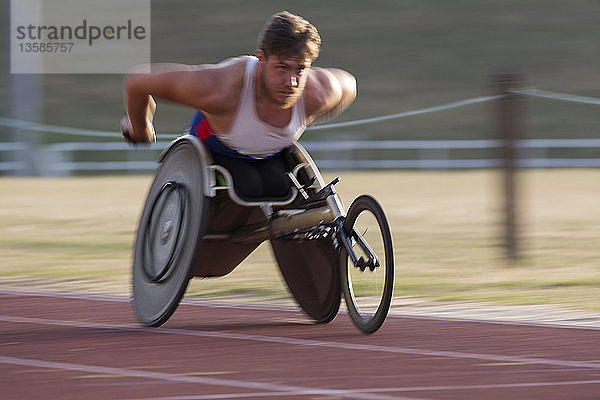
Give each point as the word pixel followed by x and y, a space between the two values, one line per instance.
pixel 165 231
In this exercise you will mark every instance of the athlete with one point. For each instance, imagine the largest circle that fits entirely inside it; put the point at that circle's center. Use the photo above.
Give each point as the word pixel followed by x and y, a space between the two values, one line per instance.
pixel 250 108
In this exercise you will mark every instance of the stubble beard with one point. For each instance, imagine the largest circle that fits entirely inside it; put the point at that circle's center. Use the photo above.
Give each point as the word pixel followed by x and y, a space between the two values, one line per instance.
pixel 271 94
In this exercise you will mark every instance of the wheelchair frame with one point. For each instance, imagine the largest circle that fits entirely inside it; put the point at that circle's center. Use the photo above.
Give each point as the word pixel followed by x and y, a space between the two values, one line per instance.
pixel 307 232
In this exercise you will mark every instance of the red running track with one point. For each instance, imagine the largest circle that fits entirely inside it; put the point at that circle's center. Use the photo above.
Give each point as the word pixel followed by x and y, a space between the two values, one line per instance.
pixel 70 347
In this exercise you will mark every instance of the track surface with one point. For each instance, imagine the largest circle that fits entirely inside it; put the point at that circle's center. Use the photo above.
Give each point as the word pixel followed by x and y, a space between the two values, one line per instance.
pixel 61 347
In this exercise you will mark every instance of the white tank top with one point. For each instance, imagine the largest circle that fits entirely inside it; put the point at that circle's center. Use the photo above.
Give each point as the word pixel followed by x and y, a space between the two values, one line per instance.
pixel 253 137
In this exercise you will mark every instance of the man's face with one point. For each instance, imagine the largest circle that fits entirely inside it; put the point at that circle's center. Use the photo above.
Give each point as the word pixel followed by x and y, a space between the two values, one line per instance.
pixel 282 78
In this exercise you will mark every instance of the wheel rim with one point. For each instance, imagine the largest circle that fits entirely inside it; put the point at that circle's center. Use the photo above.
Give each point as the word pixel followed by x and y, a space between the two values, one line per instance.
pixel 366 283
pixel 367 287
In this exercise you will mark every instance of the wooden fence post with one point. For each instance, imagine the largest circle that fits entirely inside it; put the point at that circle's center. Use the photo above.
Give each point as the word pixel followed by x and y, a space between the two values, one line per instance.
pixel 508 127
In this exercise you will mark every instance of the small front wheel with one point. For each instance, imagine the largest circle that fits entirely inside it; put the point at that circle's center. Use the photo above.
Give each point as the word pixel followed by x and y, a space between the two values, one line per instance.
pixel 367 276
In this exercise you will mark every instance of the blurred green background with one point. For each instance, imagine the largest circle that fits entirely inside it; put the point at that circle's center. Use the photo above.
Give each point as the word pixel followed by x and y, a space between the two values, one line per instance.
pixel 405 54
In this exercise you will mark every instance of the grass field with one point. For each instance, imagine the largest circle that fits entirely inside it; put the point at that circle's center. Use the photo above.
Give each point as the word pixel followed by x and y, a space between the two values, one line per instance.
pixel 76 234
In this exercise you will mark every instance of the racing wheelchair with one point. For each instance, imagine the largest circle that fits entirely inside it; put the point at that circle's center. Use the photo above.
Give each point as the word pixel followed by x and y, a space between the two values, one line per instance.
pixel 194 224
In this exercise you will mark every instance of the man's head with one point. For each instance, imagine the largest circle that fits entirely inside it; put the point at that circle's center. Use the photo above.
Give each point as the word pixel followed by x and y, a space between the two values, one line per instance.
pixel 290 36
pixel 287 47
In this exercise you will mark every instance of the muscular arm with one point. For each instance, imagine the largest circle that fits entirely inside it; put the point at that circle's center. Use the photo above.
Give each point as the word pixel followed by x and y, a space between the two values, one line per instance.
pixel 329 92
pixel 205 87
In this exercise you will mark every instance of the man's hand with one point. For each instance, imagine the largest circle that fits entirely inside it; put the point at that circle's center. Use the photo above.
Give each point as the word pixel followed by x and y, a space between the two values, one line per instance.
pixel 126 132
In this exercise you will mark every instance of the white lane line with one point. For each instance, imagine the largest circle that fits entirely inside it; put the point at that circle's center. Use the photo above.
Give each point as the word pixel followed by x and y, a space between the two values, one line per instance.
pixel 311 343
pixel 515 322
pixel 231 396
pixel 281 308
pixel 75 324
pixel 61 295
pixel 381 390
pixel 493 386
pixel 198 303
pixel 280 390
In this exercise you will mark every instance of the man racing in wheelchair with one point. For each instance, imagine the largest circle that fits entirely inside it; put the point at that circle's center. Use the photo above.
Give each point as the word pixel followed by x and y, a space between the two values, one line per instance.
pixel 250 108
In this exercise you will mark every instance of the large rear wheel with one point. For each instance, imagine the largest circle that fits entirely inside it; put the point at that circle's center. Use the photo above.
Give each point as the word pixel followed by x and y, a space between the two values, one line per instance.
pixel 368 283
pixel 169 235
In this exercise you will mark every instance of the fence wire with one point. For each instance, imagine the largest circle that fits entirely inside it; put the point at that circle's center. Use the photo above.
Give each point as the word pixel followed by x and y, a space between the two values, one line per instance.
pixel 33 126
pixel 422 145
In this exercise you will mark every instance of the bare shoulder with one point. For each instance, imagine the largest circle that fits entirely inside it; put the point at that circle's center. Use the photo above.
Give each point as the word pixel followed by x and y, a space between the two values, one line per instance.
pixel 216 88
pixel 213 88
pixel 328 89
pixel 228 72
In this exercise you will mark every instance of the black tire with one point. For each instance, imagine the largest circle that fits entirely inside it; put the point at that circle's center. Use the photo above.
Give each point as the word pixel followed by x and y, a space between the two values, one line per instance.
pixel 169 235
pixel 368 291
pixel 310 268
pixel 333 312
